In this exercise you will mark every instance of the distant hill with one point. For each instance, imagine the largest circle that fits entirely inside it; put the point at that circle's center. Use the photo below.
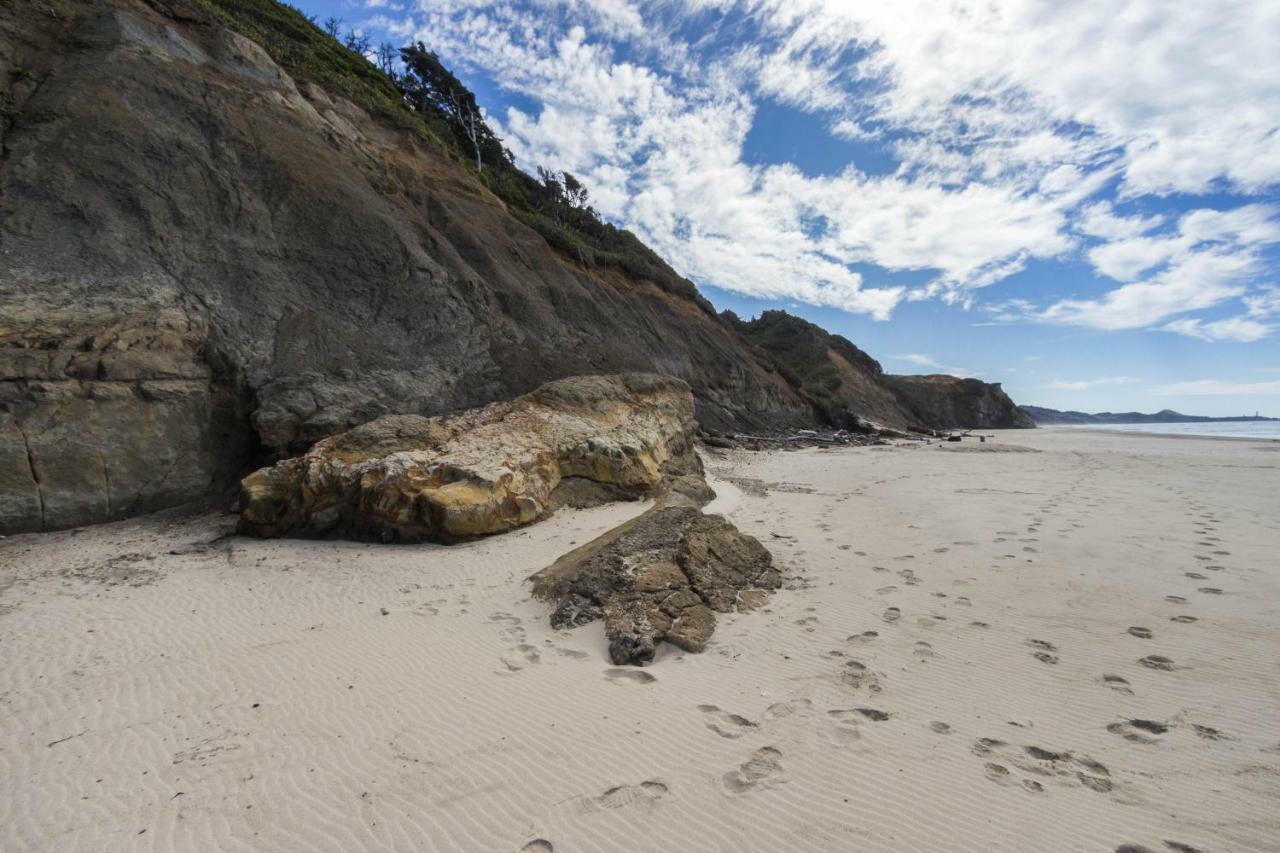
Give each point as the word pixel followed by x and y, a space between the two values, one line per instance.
pixel 844 384
pixel 1048 417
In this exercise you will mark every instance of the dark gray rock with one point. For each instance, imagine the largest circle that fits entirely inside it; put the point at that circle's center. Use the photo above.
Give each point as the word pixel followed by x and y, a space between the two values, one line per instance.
pixel 661 578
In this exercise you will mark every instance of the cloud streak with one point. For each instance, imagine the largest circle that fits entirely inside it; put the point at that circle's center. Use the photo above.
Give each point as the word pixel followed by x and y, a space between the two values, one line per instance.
pixel 1016 131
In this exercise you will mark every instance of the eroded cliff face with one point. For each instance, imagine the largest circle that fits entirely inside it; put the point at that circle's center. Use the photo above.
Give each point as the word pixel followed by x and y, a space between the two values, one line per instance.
pixel 202 257
pixel 848 388
pixel 947 402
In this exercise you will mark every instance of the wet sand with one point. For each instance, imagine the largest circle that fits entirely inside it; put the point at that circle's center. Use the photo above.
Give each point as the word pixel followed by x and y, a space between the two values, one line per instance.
pixel 1057 640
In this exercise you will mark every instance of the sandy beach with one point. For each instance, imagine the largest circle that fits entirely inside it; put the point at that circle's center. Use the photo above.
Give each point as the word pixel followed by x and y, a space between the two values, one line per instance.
pixel 1055 640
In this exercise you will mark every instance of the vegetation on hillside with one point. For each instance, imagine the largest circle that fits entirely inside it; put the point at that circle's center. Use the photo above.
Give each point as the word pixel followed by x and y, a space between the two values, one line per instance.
pixel 798 350
pixel 425 97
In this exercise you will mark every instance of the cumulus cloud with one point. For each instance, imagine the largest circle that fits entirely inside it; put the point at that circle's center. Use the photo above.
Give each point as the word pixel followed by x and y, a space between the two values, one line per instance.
pixel 1088 384
pixel 1239 329
pixel 1004 121
pixel 1210 258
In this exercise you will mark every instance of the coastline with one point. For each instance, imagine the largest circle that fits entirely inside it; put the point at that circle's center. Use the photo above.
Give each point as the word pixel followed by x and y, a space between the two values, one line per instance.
pixel 955 661
pixel 1108 430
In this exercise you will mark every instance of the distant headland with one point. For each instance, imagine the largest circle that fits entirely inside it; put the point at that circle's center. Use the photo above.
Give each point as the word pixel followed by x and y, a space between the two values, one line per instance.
pixel 1046 417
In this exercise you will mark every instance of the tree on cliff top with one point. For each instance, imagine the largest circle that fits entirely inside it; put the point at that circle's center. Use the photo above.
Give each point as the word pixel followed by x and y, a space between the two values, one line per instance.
pixel 428 86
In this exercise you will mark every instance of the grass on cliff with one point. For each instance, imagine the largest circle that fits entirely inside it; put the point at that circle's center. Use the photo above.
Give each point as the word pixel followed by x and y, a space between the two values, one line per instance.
pixel 307 52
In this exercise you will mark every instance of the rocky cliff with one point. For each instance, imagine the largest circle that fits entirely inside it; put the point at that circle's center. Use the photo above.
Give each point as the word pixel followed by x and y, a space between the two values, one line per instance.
pixel 948 402
pixel 224 237
pixel 847 387
pixel 205 259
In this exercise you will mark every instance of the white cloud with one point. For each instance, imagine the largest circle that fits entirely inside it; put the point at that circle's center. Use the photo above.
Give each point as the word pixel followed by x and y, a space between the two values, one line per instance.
pixel 1263 303
pixel 1239 329
pixel 930 363
pixel 1006 118
pixel 1100 220
pixel 1212 257
pixel 1087 384
pixel 1219 387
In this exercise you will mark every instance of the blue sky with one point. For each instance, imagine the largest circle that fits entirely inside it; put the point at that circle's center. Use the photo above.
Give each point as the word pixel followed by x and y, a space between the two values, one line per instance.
pixel 1078 200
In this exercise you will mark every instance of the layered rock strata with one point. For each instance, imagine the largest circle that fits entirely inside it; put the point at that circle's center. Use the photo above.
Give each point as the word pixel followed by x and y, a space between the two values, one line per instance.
pixel 485 470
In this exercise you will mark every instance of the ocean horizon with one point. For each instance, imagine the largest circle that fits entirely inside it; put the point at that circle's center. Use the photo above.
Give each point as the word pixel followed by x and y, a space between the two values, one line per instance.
pixel 1261 430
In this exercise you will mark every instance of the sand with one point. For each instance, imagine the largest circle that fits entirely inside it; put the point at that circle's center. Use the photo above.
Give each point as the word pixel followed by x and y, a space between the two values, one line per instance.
pixel 1072 647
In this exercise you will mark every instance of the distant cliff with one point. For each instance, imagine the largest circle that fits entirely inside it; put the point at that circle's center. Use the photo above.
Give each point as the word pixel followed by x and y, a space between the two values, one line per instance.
pixel 1048 417
pixel 951 402
pixel 845 384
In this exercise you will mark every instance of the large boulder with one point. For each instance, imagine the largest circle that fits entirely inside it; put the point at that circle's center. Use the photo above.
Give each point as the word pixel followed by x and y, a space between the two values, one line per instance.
pixel 486 470
pixel 663 576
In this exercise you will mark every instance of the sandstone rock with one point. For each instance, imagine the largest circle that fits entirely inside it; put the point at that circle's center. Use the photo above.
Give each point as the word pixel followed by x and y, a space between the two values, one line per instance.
pixel 661 577
pixel 484 471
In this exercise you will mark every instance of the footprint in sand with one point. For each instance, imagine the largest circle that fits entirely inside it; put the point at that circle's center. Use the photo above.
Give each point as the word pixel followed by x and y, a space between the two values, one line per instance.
pixel 1186 620
pixel 1139 731
pixel 520 656
pixel 1062 767
pixel 1141 633
pixel 762 769
pixel 940 727
pixel 856 675
pixel 1196 576
pixel 885 590
pixel 1045 655
pixel 864 637
pixel 873 714
pixel 644 794
pixel 923 649
pixel 1175 599
pixel 780 710
pixel 1208 732
pixel 635 676
pixel 892 614
pixel 1210 590
pixel 538 845
pixel 725 724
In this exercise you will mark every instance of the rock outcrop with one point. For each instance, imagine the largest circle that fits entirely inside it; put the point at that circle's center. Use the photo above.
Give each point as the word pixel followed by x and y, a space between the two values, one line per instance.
pixel 663 577
pixel 850 390
pixel 948 402
pixel 409 478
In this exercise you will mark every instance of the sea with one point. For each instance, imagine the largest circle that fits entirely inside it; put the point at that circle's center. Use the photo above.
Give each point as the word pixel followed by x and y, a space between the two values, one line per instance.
pixel 1262 430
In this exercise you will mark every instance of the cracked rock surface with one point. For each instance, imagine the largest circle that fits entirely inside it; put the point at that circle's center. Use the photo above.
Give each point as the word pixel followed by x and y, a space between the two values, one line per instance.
pixel 487 470
pixel 661 577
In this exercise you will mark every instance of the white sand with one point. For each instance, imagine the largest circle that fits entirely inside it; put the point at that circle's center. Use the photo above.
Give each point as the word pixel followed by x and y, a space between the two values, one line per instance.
pixel 247 695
